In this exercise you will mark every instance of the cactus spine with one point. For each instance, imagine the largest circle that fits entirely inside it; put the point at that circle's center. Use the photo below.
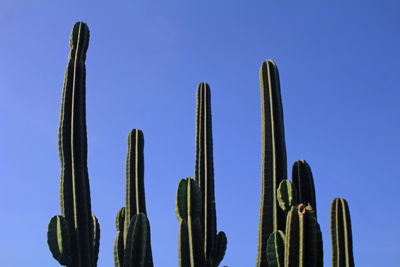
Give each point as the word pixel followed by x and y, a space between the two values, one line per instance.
pixel 76 229
pixel 273 168
pixel 214 244
pixel 132 245
pixel 342 241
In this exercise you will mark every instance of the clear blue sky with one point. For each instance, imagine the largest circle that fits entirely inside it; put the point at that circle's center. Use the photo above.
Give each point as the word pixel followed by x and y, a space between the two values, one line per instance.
pixel 340 80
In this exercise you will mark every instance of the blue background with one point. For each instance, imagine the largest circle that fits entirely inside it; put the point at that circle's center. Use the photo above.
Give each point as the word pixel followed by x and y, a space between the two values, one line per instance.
pixel 339 72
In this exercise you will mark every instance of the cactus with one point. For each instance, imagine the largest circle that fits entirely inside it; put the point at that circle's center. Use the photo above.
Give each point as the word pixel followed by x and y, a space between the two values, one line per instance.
pixel 286 195
pixel 302 238
pixel 188 211
pixel 76 229
pixel 273 168
pixel 214 244
pixel 127 222
pixel 342 242
pixel 137 246
pixel 288 236
pixel 276 249
pixel 303 181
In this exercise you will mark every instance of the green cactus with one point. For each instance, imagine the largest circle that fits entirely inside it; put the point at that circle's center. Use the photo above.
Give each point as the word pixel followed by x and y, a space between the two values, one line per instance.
pixel 342 241
pixel 273 168
pixel 302 238
pixel 214 244
pixel 188 211
pixel 76 230
pixel 119 240
pixel 137 246
pixel 302 179
pixel 286 195
pixel 134 205
pixel 276 249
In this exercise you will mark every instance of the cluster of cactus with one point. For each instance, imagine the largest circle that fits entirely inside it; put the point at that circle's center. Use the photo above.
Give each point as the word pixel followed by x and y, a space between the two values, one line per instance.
pixel 199 243
pixel 289 234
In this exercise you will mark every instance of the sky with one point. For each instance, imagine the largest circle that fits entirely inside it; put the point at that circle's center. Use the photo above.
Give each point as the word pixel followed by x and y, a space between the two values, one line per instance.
pixel 339 73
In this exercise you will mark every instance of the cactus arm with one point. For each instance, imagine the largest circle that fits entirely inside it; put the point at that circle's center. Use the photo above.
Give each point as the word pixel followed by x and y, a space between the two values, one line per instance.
pixel 273 168
pixel 59 241
pixel 96 239
pixel 204 166
pixel 188 210
pixel 303 181
pixel 119 240
pixel 286 195
pixel 138 242
pixel 219 248
pixel 276 249
pixel 342 241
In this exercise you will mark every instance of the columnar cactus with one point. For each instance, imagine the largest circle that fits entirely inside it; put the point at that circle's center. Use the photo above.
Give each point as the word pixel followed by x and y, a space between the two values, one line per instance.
pixel 302 238
pixel 342 241
pixel 214 244
pixel 273 168
pixel 301 243
pixel 304 183
pixel 188 211
pixel 73 237
pixel 132 218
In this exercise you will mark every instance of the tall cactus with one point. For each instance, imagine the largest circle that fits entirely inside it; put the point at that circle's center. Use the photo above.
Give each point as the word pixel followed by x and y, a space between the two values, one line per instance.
pixel 214 244
pixel 273 168
pixel 73 237
pixel 342 241
pixel 132 217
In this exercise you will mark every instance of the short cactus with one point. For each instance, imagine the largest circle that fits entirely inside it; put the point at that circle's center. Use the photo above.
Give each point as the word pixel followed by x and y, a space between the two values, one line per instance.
pixel 188 211
pixel 132 217
pixel 276 249
pixel 303 181
pixel 76 231
pixel 342 241
pixel 302 238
